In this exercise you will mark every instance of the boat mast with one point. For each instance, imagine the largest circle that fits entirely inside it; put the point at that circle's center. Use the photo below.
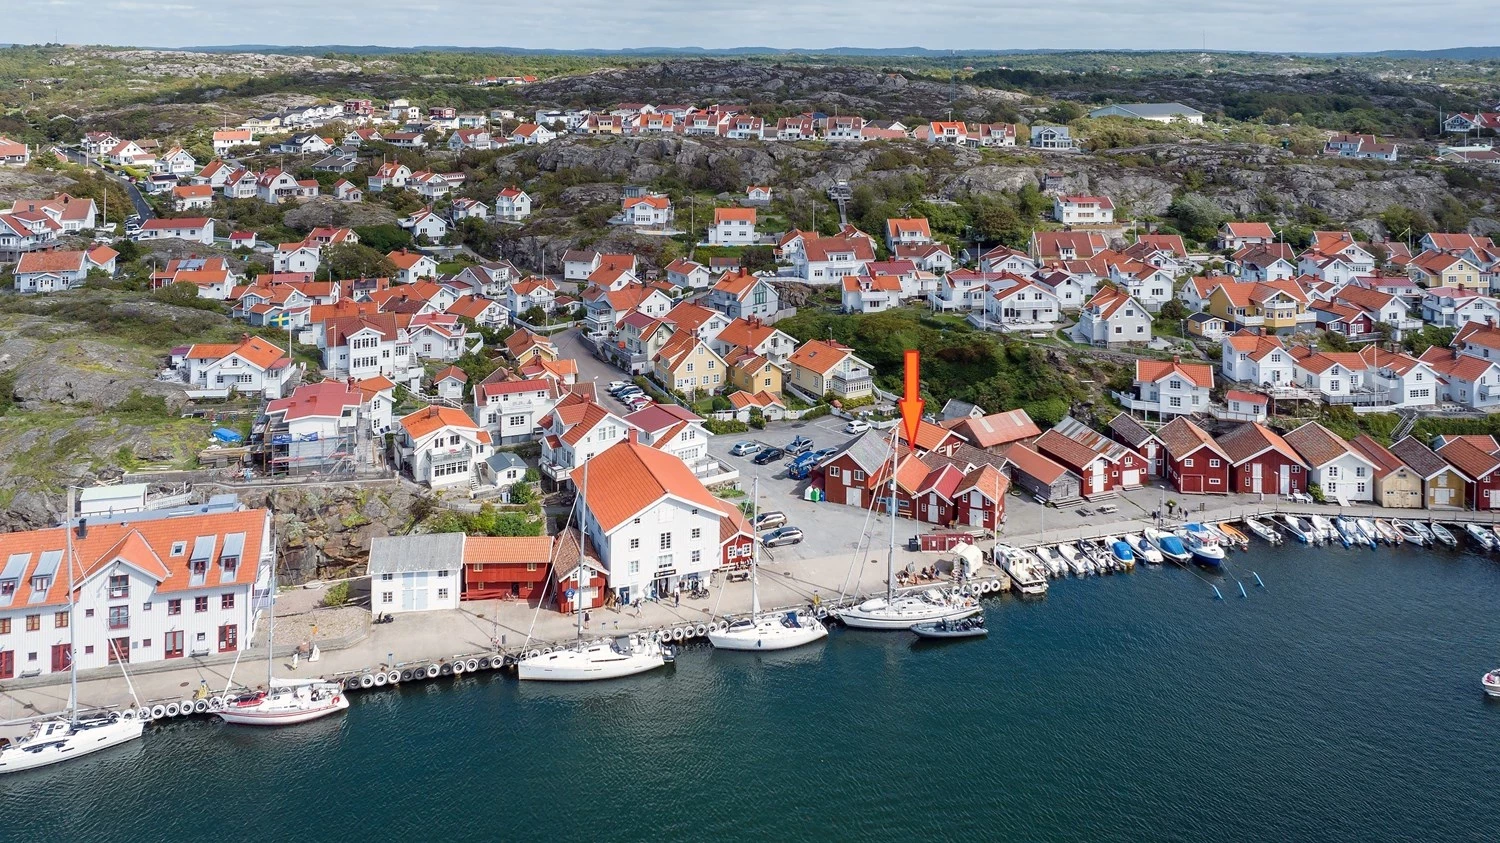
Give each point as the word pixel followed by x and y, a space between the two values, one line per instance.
pixel 578 603
pixel 890 559
pixel 754 554
pixel 271 626
pixel 72 626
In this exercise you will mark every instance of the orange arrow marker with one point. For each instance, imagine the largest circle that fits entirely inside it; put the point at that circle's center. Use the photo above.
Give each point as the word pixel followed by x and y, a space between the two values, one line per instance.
pixel 911 403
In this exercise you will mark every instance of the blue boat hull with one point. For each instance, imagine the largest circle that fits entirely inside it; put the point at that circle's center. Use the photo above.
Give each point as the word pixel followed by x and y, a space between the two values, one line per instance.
pixel 1208 561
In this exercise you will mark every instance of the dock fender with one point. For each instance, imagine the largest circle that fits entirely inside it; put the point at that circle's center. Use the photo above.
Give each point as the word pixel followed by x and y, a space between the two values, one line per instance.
pixel 380 680
pixel 406 676
pixel 366 681
pixel 445 669
pixel 172 710
pixel 158 711
pixel 200 707
pixel 471 665
pixel 822 613
pixel 702 630
pixel 433 671
pixel 484 663
pixel 459 667
pixel 678 634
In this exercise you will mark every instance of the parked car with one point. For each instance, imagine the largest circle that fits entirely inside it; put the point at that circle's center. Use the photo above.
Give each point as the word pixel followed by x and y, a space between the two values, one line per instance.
pixel 800 445
pixel 781 536
pixel 627 389
pixel 823 454
pixel 857 426
pixel 640 402
pixel 770 519
pixel 768 456
pixel 742 449
pixel 627 394
pixel 615 386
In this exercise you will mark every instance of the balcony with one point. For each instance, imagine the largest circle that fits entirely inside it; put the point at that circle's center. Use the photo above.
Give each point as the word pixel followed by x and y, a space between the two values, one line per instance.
pixel 850 386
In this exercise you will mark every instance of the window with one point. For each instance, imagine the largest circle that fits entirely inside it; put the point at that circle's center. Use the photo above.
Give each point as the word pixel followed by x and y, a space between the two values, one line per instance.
pixel 442 575
pixel 229 638
pixel 1359 471
pixel 664 561
pixel 1187 463
pixel 1174 401
pixel 119 617
pixel 833 471
pixel 1359 488
pixel 1333 471
pixel 859 476
pixel 174 607
pixel 179 548
pixel 442 594
pixel 4 626
pixel 697 532
pixel 387 597
pixel 60 620
pixel 1214 463
pixel 697 556
pixel 119 586
pixel 634 567
pixel 200 604
pixel 33 623
pixel 1213 481
pixel 635 544
pixel 387 577
pixel 666 541
pixel 226 601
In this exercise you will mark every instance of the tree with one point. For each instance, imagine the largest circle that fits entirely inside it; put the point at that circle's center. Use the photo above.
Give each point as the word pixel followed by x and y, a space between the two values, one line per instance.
pixel 758 258
pixel 383 238
pixel 1402 221
pixel 1197 216
pixel 356 260
pixel 534 315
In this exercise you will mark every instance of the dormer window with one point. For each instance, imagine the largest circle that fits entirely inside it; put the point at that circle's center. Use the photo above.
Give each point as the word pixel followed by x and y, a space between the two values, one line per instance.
pixel 41 584
pixel 7 588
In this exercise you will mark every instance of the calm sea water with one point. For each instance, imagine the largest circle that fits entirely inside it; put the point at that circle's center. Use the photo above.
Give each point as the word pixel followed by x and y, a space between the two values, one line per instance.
pixel 1341 702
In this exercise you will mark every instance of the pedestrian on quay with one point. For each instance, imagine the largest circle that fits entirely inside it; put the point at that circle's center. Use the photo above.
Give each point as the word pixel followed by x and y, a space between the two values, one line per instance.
pixel 585 619
pixel 677 597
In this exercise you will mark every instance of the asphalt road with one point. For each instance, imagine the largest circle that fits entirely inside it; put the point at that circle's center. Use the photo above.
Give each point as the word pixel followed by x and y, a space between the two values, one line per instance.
pixel 139 201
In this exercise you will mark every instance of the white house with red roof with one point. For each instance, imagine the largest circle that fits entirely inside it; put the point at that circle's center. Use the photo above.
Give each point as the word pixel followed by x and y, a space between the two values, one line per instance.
pixel 512 204
pixel 676 430
pixel 296 257
pixel 532 292
pixel 313 428
pixel 907 232
pixel 1169 388
pixel 50 272
pixel 531 134
pixel 412 266
pixel 177 161
pixel 442 447
pixel 742 294
pixel 825 260
pixel 1111 318
pixel 72 213
pixel 1077 209
pixel 511 408
pixel 688 274
pixel 147 587
pixel 252 366
pixel 449 383
pixel 14 154
pixel 191 229
pixel 652 210
pixel 574 432
pixel 733 227
pixel 425 223
pixel 392 174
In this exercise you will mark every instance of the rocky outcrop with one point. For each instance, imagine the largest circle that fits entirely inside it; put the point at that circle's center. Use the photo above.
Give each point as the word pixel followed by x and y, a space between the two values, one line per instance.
pixel 325 210
pixel 325 530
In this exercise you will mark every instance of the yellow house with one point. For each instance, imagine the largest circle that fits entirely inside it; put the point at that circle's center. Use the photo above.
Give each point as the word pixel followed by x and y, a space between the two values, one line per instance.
pixel 753 373
pixel 820 367
pixel 1276 306
pixel 1437 269
pixel 1397 485
pixel 686 364
pixel 524 346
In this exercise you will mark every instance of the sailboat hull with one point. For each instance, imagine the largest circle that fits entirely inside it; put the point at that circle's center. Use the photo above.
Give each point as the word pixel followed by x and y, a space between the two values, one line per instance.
pixel 44 750
pixel 769 636
pixel 588 665
pixel 283 716
pixel 902 614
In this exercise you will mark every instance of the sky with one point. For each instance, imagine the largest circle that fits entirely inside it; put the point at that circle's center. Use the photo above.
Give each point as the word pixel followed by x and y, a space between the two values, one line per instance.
pixel 1259 25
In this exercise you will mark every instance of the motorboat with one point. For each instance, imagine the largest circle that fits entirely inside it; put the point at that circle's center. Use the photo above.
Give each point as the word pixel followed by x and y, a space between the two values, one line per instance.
pixel 1387 532
pixel 1170 546
pixel 1051 561
pixel 285 703
pixel 1299 529
pixel 1121 550
pixel 1408 532
pixel 1480 536
pixel 1497 533
pixel 1221 537
pixel 1233 535
pixel 1070 557
pixel 1348 533
pixel 1368 528
pixel 1492 683
pixel 1265 531
pixel 1143 549
pixel 584 662
pixel 1204 548
pixel 1424 531
pixel 62 738
pixel 1103 560
pixel 1200 532
pixel 905 611
pixel 766 632
pixel 1027 575
pixel 769 632
pixel 971 627
pixel 1325 529
pixel 1444 535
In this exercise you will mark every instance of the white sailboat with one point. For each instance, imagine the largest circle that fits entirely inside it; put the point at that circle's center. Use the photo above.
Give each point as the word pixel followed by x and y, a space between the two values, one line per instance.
pixel 766 632
pixel 283 702
pixel 893 612
pixel 626 655
pixel 67 735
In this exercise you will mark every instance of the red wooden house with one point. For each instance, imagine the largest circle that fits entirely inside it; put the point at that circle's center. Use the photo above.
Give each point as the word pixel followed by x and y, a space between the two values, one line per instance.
pixel 1112 468
pixel 570 567
pixel 736 538
pixel 1482 468
pixel 1260 461
pixel 506 566
pixel 849 475
pixel 1195 462
pixel 980 498
pixel 1125 429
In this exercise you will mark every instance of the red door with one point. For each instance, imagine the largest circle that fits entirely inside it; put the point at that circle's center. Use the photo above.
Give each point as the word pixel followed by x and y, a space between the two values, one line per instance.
pixel 7 664
pixel 174 644
pixel 1192 483
pixel 229 638
pixel 119 650
pixel 61 659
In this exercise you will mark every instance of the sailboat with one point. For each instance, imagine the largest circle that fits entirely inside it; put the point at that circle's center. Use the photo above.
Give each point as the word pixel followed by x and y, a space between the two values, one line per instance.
pixel 766 632
pixel 626 655
pixel 893 612
pixel 67 735
pixel 283 702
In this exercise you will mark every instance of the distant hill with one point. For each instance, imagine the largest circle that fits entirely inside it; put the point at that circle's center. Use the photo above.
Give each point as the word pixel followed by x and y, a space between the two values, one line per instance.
pixel 1453 53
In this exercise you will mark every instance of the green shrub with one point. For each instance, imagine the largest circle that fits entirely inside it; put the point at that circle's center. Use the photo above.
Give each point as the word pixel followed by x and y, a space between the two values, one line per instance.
pixel 337 595
pixel 719 427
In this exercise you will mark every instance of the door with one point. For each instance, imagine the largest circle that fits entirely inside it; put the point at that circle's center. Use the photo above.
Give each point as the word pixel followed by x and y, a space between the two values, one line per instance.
pixel 1192 483
pixel 1255 478
pixel 1494 497
pixel 1096 480
pixel 1285 483
pixel 119 650
pixel 229 638
pixel 1131 478
pixel 60 660
pixel 173 644
pixel 1441 495
pixel 852 497
pixel 976 516
pixel 7 664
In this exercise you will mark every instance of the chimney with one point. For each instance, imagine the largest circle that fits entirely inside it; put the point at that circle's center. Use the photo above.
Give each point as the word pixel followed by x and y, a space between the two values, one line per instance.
pixel 83 529
pixel 634 436
pixel 1176 358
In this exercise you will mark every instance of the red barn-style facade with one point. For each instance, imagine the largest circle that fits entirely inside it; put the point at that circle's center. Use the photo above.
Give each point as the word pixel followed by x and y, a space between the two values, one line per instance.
pixel 1195 462
pixel 1261 462
pixel 506 567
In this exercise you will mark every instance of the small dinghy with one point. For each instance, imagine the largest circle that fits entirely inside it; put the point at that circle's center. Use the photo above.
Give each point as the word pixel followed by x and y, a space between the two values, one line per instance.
pixel 1234 536
pixel 962 628
pixel 1443 535
pixel 1349 531
pixel 1367 527
pixel 1424 531
pixel 1492 683
pixel 1388 533
pixel 1408 532
pixel 1299 529
pixel 1266 532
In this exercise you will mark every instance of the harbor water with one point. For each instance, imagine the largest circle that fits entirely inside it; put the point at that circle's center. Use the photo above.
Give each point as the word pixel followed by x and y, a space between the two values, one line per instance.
pixel 1340 702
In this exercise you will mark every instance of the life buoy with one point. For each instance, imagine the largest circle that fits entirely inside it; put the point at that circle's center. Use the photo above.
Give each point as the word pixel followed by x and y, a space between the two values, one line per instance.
pixel 471 665
pixel 393 677
pixel 158 711
pixel 171 710
pixel 406 676
pixel 678 634
pixel 200 706
pixel 433 671
pixel 380 680
pixel 446 669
